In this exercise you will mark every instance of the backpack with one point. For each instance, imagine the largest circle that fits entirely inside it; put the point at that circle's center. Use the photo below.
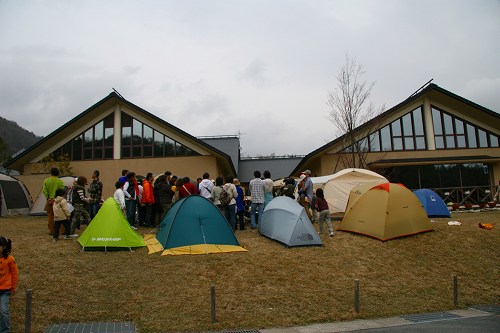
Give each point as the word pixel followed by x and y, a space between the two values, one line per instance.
pixel 225 197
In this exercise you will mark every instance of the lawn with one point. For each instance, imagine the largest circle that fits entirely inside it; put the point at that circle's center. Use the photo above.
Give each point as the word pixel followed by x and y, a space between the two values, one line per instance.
pixel 269 286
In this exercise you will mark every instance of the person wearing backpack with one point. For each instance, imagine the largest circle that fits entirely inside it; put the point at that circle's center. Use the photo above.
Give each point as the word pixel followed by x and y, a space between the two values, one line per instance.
pixel 229 204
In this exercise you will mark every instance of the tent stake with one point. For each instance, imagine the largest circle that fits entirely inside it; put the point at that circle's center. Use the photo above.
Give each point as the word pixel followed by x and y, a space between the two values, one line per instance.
pixel 212 304
pixel 356 295
pixel 455 290
pixel 27 321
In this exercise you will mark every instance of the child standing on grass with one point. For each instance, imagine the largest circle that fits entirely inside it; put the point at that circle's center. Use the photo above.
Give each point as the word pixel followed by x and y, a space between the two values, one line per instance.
pixel 324 211
pixel 61 215
pixel 119 196
pixel 8 281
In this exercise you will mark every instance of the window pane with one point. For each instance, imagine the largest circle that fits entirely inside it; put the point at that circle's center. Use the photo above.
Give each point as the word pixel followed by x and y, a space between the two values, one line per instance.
pixel 88 136
pixel 407 126
pixel 483 142
pixel 386 138
pixel 449 175
pixel 461 141
pixel 363 144
pixel 98 154
pixel 136 151
pixel 180 150
pixel 471 136
pixel 417 122
pixel 98 134
pixel 374 142
pixel 126 136
pixel 137 132
pixel 77 148
pixel 169 147
pixel 436 119
pixel 158 144
pixel 459 126
pixel 396 128
pixel 420 142
pixel 450 141
pixel 125 152
pixel 148 135
pixel 87 154
pixel 126 120
pixel 439 142
pixel 108 133
pixel 148 151
pixel 493 141
pixel 448 124
pixel 429 176
pixel 475 174
pixel 108 153
pixel 398 144
pixel 409 144
pixel 109 121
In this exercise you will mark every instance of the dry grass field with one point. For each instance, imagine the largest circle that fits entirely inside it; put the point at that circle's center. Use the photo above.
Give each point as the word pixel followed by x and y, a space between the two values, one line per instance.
pixel 269 286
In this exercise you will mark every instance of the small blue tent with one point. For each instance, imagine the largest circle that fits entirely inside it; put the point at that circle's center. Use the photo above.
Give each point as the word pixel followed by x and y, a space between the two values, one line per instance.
pixel 433 204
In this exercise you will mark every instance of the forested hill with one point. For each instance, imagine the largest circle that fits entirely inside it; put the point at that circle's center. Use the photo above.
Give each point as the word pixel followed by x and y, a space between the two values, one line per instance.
pixel 16 137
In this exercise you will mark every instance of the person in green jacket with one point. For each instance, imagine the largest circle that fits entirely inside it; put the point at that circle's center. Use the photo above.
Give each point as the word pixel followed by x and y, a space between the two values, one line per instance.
pixel 50 186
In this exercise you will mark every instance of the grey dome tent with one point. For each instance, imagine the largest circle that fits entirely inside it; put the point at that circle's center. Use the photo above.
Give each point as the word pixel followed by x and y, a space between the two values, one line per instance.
pixel 286 221
pixel 14 197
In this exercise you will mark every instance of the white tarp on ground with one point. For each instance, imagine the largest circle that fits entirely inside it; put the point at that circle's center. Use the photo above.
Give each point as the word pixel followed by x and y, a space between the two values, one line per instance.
pixel 336 187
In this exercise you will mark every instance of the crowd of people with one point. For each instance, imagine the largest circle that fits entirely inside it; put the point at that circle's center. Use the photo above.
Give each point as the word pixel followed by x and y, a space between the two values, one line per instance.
pixel 145 200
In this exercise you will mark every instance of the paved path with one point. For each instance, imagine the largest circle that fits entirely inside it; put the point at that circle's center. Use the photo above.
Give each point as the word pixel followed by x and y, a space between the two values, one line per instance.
pixel 478 319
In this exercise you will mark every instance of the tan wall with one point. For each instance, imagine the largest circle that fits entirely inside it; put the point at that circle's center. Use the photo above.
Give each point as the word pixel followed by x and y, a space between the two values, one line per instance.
pixel 110 170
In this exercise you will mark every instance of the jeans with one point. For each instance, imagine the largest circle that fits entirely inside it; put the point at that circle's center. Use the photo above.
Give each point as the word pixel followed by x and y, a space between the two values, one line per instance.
pixel 130 206
pixel 259 207
pixel 4 312
pixel 324 216
pixel 231 215
pixel 94 208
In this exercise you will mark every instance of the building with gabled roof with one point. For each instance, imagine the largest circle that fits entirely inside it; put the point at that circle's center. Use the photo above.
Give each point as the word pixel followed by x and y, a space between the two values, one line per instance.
pixel 433 139
pixel 115 134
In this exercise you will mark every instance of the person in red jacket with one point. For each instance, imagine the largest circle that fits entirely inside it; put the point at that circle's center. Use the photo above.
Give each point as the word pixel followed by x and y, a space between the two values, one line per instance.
pixel 187 188
pixel 9 276
pixel 148 198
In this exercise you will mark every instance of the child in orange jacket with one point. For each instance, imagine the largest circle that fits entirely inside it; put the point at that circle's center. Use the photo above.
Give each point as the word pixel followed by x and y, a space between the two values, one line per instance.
pixel 9 275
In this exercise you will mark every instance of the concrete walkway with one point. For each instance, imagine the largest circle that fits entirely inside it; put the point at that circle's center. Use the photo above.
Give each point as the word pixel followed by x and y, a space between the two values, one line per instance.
pixel 484 318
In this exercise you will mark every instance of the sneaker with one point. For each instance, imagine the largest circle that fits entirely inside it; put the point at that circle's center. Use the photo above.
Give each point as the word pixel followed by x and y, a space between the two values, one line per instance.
pixel 73 235
pixel 331 234
pixel 54 240
pixel 133 227
pixel 67 237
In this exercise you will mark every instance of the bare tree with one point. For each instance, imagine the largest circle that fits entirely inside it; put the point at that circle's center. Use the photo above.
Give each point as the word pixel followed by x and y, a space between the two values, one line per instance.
pixel 349 110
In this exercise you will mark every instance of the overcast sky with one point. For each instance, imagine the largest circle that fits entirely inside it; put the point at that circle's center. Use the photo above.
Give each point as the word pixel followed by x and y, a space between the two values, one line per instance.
pixel 259 68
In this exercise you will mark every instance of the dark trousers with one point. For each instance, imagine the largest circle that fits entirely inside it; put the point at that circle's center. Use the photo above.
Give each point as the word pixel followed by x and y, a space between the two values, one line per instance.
pixel 130 206
pixel 240 218
pixel 57 226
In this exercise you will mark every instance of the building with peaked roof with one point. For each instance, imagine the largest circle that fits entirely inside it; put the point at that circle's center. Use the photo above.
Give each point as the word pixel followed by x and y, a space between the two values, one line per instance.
pixel 115 134
pixel 434 139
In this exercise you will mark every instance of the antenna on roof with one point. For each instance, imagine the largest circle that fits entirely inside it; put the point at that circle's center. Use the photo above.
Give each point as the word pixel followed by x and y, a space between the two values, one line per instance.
pixel 419 89
pixel 117 93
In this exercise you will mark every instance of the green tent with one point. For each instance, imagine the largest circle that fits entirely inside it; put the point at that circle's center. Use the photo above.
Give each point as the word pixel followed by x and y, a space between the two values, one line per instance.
pixel 109 229
pixel 194 225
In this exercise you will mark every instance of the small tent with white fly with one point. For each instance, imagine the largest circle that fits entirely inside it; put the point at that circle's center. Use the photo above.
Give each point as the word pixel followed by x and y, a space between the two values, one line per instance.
pixel 337 187
pixel 38 207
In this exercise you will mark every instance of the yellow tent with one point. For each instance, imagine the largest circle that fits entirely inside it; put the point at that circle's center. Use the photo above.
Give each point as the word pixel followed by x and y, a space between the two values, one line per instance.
pixel 384 211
